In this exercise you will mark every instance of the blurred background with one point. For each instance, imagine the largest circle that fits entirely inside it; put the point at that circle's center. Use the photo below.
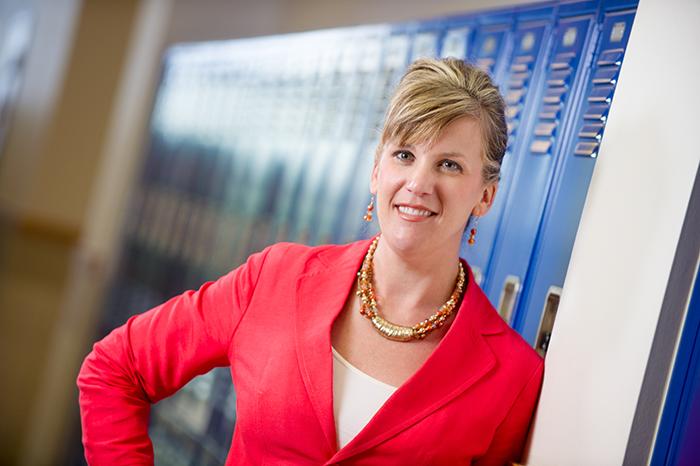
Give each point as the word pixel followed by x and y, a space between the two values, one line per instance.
pixel 147 146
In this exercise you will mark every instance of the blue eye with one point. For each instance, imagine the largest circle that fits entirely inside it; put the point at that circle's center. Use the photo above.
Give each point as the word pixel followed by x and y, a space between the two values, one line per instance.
pixel 451 165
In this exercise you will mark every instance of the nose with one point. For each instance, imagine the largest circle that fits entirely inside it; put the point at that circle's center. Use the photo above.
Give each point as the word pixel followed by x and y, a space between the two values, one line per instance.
pixel 421 180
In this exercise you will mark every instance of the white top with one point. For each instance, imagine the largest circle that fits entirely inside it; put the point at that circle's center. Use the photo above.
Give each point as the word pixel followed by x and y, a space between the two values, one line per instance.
pixel 356 398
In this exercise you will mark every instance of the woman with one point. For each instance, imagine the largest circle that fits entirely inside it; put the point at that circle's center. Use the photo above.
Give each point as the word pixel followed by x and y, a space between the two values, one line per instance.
pixel 378 352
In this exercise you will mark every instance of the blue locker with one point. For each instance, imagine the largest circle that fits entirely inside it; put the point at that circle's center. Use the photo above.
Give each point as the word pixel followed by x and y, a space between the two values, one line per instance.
pixel 492 43
pixel 679 429
pixel 458 37
pixel 550 259
pixel 520 88
pixel 524 206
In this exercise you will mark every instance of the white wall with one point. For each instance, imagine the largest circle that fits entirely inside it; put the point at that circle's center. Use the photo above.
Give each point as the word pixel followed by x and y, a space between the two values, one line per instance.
pixel 625 244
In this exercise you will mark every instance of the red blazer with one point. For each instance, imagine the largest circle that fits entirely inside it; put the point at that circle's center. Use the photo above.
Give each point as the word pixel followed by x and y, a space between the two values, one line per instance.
pixel 270 321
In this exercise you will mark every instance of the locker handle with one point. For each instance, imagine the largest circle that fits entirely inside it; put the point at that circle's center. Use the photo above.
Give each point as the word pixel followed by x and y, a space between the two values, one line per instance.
pixel 549 314
pixel 509 293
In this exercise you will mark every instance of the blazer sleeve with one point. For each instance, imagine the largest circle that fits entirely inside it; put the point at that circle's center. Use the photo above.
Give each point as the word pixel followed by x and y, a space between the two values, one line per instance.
pixel 152 356
pixel 509 440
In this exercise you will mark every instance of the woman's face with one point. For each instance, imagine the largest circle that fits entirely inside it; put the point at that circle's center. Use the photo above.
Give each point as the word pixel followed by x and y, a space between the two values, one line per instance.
pixel 425 194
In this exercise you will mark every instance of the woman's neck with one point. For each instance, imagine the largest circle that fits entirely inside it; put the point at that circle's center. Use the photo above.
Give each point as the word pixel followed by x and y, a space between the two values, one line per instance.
pixel 411 287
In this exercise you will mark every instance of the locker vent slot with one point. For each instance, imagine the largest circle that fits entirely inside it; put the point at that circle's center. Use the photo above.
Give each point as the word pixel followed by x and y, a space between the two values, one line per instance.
pixel 587 149
pixel 518 67
pixel 540 146
pixel 559 78
pixel 596 112
pixel 592 130
pixel 606 75
pixel 514 97
pixel 524 59
pixel 601 93
pixel 554 95
pixel 550 112
pixel 611 57
pixel 545 129
pixel 513 112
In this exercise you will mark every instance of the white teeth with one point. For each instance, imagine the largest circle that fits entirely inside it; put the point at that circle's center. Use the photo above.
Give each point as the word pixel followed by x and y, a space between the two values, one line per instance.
pixel 412 211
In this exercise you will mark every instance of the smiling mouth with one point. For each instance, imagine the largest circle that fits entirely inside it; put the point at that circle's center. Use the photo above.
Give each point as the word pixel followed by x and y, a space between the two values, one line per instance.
pixel 414 212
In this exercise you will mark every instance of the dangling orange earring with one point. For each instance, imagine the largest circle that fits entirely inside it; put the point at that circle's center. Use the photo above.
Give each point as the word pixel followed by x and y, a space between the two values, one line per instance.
pixel 472 233
pixel 370 208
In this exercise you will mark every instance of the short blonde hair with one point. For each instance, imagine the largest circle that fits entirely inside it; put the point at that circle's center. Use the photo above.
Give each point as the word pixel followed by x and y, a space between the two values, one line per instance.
pixel 433 93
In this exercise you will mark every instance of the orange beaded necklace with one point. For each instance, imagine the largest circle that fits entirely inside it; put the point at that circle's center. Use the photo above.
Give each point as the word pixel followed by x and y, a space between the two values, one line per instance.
pixel 368 305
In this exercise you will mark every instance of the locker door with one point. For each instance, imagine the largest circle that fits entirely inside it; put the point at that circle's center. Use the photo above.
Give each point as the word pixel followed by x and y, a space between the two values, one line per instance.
pixel 457 39
pixel 525 203
pixel 522 75
pixel 565 204
pixel 492 43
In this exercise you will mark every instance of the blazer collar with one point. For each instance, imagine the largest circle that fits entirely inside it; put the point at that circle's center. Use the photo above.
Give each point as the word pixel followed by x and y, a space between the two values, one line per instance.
pixel 321 294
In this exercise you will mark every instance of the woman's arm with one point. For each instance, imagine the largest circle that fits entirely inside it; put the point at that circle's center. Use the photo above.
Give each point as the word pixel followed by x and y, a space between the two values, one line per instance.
pixel 509 440
pixel 152 356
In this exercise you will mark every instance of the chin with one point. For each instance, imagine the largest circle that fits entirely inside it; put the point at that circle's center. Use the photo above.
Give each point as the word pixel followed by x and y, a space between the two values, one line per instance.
pixel 408 242
pixel 413 242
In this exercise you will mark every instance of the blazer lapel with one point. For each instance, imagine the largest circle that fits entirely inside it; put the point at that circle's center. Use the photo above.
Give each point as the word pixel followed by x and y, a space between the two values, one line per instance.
pixel 321 295
pixel 459 361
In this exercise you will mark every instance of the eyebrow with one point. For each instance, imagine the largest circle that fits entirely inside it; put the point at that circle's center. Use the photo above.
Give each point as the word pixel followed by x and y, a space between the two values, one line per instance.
pixel 454 155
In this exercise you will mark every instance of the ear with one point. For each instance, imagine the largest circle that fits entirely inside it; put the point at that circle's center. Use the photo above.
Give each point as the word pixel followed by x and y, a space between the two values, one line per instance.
pixel 373 182
pixel 487 196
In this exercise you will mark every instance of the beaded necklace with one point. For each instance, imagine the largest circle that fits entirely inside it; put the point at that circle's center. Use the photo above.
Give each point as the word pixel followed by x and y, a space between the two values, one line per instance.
pixel 368 305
